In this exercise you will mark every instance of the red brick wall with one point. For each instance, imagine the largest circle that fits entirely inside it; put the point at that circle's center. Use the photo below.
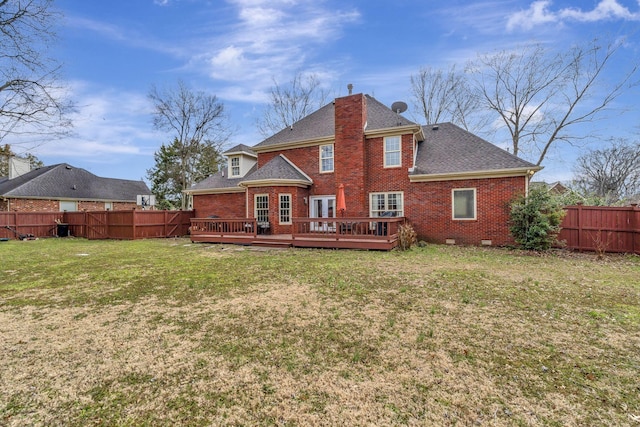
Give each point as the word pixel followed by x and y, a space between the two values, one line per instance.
pixel 298 207
pixel 308 160
pixel 99 206
pixel 428 208
pixel 228 205
pixel 350 153
pixel 381 179
pixel 35 205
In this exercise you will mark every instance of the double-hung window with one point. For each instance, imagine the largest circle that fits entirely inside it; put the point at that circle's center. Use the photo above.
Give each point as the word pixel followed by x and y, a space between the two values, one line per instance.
pixel 326 158
pixel 392 151
pixel 262 208
pixel 387 204
pixel 235 166
pixel 463 203
pixel 285 209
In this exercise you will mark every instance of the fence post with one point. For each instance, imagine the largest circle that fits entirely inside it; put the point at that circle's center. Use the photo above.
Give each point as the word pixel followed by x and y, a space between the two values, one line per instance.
pixel 134 220
pixel 166 218
pixel 634 227
pixel 579 225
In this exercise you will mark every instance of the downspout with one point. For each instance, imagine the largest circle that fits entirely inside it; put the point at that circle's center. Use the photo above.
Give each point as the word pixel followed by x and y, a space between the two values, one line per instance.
pixel 527 179
pixel 246 202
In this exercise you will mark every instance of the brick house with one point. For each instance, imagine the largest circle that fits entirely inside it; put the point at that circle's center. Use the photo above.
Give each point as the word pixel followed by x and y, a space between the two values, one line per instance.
pixel 62 187
pixel 451 185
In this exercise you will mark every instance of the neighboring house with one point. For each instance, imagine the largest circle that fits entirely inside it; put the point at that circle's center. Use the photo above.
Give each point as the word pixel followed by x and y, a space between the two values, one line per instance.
pixel 63 187
pixel 448 183
pixel 553 188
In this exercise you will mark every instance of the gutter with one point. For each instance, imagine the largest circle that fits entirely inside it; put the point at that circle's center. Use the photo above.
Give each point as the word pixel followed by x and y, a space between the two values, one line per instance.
pixel 495 173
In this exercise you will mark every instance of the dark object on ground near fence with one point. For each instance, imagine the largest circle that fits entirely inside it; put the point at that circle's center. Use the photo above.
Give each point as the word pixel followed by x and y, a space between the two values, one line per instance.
pixel 19 235
pixel 62 230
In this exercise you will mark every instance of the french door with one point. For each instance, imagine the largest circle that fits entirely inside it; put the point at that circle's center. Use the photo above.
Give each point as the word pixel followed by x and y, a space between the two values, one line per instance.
pixel 322 207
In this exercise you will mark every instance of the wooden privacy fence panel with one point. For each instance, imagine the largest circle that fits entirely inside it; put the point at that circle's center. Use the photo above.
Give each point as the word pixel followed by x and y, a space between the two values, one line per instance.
pixel 38 224
pixel 602 229
pixel 125 225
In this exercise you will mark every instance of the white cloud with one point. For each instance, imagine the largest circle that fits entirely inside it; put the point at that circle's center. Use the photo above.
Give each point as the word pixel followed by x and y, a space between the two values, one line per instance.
pixel 605 10
pixel 540 13
pixel 106 125
pixel 271 39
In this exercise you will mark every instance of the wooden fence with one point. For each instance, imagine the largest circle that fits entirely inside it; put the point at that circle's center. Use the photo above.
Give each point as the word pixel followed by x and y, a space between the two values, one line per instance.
pixel 602 229
pixel 124 225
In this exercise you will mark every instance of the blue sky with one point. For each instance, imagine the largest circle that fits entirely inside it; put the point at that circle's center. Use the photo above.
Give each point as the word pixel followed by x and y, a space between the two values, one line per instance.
pixel 113 51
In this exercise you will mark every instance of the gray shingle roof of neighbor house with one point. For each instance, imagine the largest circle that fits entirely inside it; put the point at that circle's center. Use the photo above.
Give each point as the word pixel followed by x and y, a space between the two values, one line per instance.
pixel 279 168
pixel 219 180
pixel 321 123
pixel 449 149
pixel 63 181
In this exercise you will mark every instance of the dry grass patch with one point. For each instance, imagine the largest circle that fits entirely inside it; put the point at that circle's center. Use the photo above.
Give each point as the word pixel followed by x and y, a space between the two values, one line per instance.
pixel 163 332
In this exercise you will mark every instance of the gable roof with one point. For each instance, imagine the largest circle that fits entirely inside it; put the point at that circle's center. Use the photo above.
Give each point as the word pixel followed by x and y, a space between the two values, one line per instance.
pixel 449 150
pixel 240 149
pixel 63 181
pixel 321 124
pixel 277 171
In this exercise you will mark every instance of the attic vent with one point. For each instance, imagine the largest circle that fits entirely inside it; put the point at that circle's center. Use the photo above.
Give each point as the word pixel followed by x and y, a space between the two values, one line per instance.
pixel 435 127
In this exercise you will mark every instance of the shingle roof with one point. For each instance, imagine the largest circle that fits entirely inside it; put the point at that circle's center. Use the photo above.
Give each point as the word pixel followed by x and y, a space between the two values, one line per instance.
pixel 278 168
pixel 321 123
pixel 220 180
pixel 379 116
pixel 63 181
pixel 448 148
pixel 240 148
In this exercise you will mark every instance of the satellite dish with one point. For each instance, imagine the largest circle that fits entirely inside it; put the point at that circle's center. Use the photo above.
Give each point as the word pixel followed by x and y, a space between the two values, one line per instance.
pixel 399 107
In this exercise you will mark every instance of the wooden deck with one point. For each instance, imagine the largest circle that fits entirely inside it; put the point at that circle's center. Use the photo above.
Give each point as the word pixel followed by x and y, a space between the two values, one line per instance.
pixel 339 233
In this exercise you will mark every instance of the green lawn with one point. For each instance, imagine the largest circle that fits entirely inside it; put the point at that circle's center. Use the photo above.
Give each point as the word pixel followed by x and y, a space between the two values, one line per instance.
pixel 165 332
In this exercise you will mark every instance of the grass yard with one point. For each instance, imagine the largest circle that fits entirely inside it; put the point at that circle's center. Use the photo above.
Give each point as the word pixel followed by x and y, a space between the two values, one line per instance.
pixel 165 332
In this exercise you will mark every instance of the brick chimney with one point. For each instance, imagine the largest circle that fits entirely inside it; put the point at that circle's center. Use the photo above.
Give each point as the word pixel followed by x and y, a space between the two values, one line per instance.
pixel 349 169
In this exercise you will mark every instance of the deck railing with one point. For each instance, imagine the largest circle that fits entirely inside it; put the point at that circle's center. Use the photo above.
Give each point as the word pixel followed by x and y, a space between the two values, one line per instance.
pixel 224 226
pixel 347 228
pixel 337 228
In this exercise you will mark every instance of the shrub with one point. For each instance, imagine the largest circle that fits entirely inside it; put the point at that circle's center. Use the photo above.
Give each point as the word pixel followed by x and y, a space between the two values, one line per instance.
pixel 407 237
pixel 535 219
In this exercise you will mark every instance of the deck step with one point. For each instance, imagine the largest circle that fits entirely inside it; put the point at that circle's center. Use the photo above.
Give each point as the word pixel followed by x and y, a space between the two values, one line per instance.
pixel 271 243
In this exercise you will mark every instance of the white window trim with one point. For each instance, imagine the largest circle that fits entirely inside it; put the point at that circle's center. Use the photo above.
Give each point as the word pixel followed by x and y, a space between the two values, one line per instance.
pixel 231 174
pixel 333 157
pixel 280 210
pixel 384 151
pixel 371 195
pixel 255 205
pixel 475 204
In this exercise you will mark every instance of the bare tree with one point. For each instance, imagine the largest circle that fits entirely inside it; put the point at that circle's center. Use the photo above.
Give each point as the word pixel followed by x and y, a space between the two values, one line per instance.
pixel 540 96
pixel 291 102
pixel 612 173
pixel 196 122
pixel 442 96
pixel 32 102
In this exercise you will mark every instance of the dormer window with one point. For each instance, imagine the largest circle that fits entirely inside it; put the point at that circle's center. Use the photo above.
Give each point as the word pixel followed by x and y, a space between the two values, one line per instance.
pixel 235 166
